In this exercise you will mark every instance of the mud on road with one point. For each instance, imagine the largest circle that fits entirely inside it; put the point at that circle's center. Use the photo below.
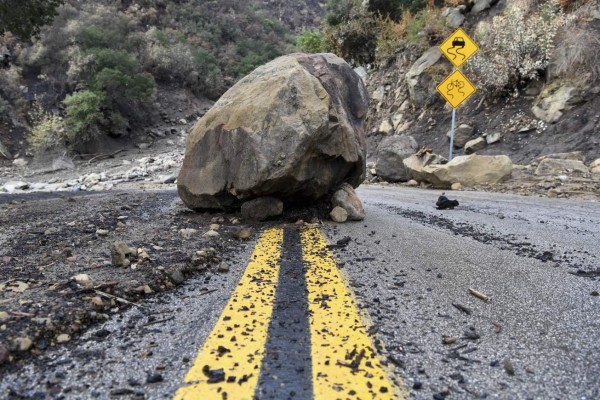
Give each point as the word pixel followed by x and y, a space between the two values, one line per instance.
pixel 56 273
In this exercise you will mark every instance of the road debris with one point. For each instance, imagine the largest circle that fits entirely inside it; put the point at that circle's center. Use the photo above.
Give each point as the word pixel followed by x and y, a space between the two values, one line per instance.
pixel 462 308
pixel 449 340
pixel 497 326
pixel 508 367
pixel 443 203
pixel 479 295
pixel 119 299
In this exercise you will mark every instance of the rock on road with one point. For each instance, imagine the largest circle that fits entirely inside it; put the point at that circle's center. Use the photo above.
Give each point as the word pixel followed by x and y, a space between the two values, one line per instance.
pixel 410 267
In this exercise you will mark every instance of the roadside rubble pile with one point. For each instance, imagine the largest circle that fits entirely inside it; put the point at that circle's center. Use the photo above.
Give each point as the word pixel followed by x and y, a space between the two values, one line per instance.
pixel 553 175
pixel 160 169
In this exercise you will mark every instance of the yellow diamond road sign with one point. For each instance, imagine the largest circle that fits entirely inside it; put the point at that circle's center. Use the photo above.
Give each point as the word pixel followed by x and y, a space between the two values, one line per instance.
pixel 456 88
pixel 458 47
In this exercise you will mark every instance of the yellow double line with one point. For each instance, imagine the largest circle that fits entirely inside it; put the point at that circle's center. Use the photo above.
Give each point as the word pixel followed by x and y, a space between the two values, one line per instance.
pixel 345 364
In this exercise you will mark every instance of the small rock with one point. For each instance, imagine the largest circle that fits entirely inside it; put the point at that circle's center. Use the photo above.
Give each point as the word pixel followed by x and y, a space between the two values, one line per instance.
pixel 242 233
pixel 154 378
pixel 214 227
pixel 262 208
pixel 338 214
pixel 456 186
pixel 417 385
pixel 119 253
pixel 168 179
pixel 97 303
pixel 177 277
pixel 188 233
pixel 412 183
pixel 223 267
pixel 63 338
pixel 121 392
pixel 594 293
pixel 211 233
pixel 475 145
pixel 346 197
pixel 449 340
pixel 20 162
pixel 494 137
pixel 101 232
pixel 83 279
pixel 148 289
pixel 508 367
pixel 23 343
pixel 102 333
pixel 4 316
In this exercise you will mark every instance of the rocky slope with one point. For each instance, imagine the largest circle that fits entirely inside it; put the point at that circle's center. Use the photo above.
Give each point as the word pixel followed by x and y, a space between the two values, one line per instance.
pixel 545 116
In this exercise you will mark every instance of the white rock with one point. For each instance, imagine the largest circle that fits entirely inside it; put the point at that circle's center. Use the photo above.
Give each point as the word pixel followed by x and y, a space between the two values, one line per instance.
pixel 493 137
pixel 20 162
pixel 12 186
pixel 83 280
pixel 63 338
pixel 188 232
pixel 211 233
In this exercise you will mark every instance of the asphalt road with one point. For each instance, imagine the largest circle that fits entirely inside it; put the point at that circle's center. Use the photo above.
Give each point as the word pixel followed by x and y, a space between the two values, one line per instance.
pixel 409 267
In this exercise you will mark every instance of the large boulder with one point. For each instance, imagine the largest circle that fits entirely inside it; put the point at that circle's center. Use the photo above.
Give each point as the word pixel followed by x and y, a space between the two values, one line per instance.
pixel 554 100
pixel 293 128
pixel 390 155
pixel 468 170
pixel 556 166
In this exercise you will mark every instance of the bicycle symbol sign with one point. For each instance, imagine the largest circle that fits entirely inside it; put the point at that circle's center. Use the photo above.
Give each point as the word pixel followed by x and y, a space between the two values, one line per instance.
pixel 456 88
pixel 458 48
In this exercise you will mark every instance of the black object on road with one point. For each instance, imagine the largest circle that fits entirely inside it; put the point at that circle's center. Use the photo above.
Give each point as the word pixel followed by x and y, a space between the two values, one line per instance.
pixel 444 203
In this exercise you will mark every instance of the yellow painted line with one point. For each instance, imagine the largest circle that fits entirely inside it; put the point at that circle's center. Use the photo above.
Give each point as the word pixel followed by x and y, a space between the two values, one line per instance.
pixel 345 364
pixel 237 342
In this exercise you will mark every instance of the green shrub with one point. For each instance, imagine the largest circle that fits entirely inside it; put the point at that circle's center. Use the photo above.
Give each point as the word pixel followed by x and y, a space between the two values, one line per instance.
pixel 355 40
pixel 91 37
pixel 118 60
pixel 47 130
pixel 121 87
pixel 84 116
pixel 310 41
pixel 516 47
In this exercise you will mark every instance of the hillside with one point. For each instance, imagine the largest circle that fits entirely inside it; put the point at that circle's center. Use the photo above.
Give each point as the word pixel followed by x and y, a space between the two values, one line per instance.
pixel 64 89
pixel 552 108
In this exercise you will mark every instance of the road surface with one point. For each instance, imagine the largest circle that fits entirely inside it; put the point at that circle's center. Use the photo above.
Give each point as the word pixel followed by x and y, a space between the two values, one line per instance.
pixel 384 311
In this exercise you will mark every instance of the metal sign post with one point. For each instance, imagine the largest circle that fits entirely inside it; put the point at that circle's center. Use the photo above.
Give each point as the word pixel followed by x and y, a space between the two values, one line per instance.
pixel 456 88
pixel 452 133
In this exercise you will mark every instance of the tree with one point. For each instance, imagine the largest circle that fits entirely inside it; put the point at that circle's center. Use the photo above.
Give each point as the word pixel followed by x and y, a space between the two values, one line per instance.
pixel 26 17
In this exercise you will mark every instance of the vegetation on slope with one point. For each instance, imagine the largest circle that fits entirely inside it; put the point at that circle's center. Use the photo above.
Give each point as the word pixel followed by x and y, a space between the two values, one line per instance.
pixel 99 62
